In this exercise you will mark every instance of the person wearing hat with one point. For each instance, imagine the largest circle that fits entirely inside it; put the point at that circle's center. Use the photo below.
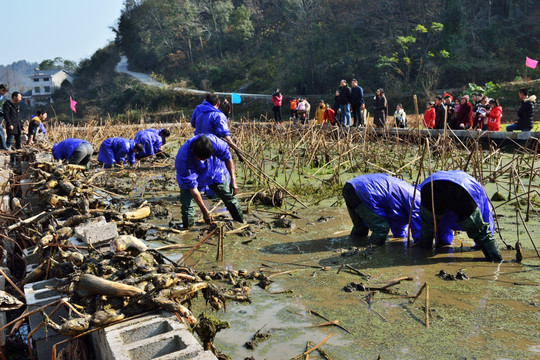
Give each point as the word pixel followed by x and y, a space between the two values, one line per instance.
pixel 464 115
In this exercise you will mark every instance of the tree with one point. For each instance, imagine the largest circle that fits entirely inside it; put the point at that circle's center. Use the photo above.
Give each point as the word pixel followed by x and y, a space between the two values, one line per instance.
pixel 240 27
pixel 413 58
pixel 57 64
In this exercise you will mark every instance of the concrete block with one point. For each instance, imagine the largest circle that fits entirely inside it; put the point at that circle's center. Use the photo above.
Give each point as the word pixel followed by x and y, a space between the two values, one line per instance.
pixel 160 337
pixel 31 255
pixel 207 355
pixel 43 157
pixel 37 294
pixel 96 231
pixel 32 199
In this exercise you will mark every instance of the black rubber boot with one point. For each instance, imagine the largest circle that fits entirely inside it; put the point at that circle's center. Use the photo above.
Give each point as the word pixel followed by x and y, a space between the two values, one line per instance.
pixel 479 231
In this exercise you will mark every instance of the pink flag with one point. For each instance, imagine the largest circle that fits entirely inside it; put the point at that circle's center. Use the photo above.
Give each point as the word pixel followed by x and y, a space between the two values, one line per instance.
pixel 531 63
pixel 72 104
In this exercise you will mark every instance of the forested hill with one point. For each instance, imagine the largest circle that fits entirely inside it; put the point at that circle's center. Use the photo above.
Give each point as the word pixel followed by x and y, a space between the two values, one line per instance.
pixel 307 46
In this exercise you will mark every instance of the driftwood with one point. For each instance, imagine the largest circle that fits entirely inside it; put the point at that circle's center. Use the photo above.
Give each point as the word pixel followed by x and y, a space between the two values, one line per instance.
pixel 93 285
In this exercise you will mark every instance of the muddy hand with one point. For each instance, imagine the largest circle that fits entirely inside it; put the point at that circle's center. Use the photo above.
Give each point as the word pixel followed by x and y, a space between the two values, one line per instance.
pixel 208 218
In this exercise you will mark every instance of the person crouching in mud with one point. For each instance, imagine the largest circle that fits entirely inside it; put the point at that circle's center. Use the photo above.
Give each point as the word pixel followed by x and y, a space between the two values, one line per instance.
pixel 379 202
pixel 460 204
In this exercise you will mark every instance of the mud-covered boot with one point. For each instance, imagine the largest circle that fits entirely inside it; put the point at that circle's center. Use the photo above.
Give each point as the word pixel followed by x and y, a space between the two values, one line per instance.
pixel 427 230
pixel 479 231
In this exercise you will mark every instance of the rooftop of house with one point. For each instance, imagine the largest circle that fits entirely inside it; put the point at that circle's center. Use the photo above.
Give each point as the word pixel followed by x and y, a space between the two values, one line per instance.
pixel 41 73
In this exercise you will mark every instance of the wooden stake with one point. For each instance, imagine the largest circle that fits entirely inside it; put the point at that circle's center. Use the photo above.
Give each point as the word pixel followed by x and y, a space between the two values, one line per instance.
pixel 427 305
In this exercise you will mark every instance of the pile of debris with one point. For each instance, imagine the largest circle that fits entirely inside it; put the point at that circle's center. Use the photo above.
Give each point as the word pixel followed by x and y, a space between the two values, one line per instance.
pixel 85 253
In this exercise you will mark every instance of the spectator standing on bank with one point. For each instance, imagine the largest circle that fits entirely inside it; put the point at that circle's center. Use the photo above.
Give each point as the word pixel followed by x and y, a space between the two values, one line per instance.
pixel 429 115
pixel 277 99
pixel 14 126
pixel 319 112
pixel 464 115
pixel 357 99
pixel 380 109
pixel 343 97
pixel 293 103
pixel 440 111
pixel 226 108
pixel 3 92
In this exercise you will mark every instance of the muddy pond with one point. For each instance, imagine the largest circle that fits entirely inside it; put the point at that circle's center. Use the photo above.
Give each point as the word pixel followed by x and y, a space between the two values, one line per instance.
pixel 491 313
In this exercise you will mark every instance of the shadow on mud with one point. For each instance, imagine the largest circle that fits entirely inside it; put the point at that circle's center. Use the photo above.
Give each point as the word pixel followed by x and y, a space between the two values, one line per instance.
pixel 393 253
pixel 309 246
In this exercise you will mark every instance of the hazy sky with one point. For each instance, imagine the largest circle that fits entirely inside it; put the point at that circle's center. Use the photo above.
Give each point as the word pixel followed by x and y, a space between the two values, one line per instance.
pixel 34 30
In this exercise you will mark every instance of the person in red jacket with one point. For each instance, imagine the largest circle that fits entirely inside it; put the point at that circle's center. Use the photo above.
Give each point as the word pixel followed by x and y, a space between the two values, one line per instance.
pixel 463 119
pixel 492 121
pixel 329 115
pixel 429 115
pixel 277 99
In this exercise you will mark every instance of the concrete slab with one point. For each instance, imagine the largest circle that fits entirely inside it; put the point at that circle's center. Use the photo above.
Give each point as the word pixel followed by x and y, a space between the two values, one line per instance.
pixel 38 294
pixel 151 337
pixel 96 231
pixel 43 157
pixel 4 161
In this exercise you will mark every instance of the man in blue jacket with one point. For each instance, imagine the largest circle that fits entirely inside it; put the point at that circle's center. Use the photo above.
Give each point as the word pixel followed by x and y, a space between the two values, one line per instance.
pixel 200 162
pixel 208 119
pixel 152 140
pixel 460 203
pixel 379 202
pixel 75 151
pixel 117 150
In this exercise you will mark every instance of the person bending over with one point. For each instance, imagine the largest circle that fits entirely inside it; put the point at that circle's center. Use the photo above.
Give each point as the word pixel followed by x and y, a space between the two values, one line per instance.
pixel 75 151
pixel 379 202
pixel 460 204
pixel 200 162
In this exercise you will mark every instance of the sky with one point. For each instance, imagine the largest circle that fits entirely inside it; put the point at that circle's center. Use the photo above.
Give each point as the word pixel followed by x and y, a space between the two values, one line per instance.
pixel 35 30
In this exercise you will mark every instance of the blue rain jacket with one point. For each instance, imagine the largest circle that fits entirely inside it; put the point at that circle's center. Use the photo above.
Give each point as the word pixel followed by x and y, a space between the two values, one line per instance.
pixel 192 173
pixel 449 221
pixel 116 150
pixel 150 141
pixel 206 119
pixel 390 198
pixel 65 148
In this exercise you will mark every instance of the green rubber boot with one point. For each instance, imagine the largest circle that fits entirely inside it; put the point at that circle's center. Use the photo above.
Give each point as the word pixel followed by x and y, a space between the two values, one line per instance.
pixel 479 231
pixel 427 230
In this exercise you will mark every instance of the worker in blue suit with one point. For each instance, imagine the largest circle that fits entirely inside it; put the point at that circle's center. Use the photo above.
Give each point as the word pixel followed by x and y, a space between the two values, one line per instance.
pixel 118 151
pixel 152 140
pixel 203 161
pixel 75 151
pixel 379 202
pixel 460 203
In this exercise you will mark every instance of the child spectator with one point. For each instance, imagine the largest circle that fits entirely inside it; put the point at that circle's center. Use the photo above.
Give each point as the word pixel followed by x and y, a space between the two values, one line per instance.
pixel 492 121
pixel 400 117
pixel 293 104
pixel 429 115
pixel 363 115
pixel 319 112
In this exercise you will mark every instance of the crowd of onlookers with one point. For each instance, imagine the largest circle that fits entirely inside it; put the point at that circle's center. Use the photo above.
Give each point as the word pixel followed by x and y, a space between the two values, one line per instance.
pixel 482 113
pixel 463 113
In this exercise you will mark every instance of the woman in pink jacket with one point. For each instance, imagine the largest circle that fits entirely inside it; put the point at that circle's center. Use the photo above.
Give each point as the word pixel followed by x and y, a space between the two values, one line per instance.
pixel 277 99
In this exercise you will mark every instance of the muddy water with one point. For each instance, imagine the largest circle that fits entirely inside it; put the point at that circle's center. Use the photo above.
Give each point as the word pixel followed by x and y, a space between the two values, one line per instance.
pixel 493 315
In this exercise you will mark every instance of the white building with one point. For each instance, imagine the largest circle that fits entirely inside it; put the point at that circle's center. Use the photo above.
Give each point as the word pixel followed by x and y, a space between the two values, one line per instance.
pixel 44 82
